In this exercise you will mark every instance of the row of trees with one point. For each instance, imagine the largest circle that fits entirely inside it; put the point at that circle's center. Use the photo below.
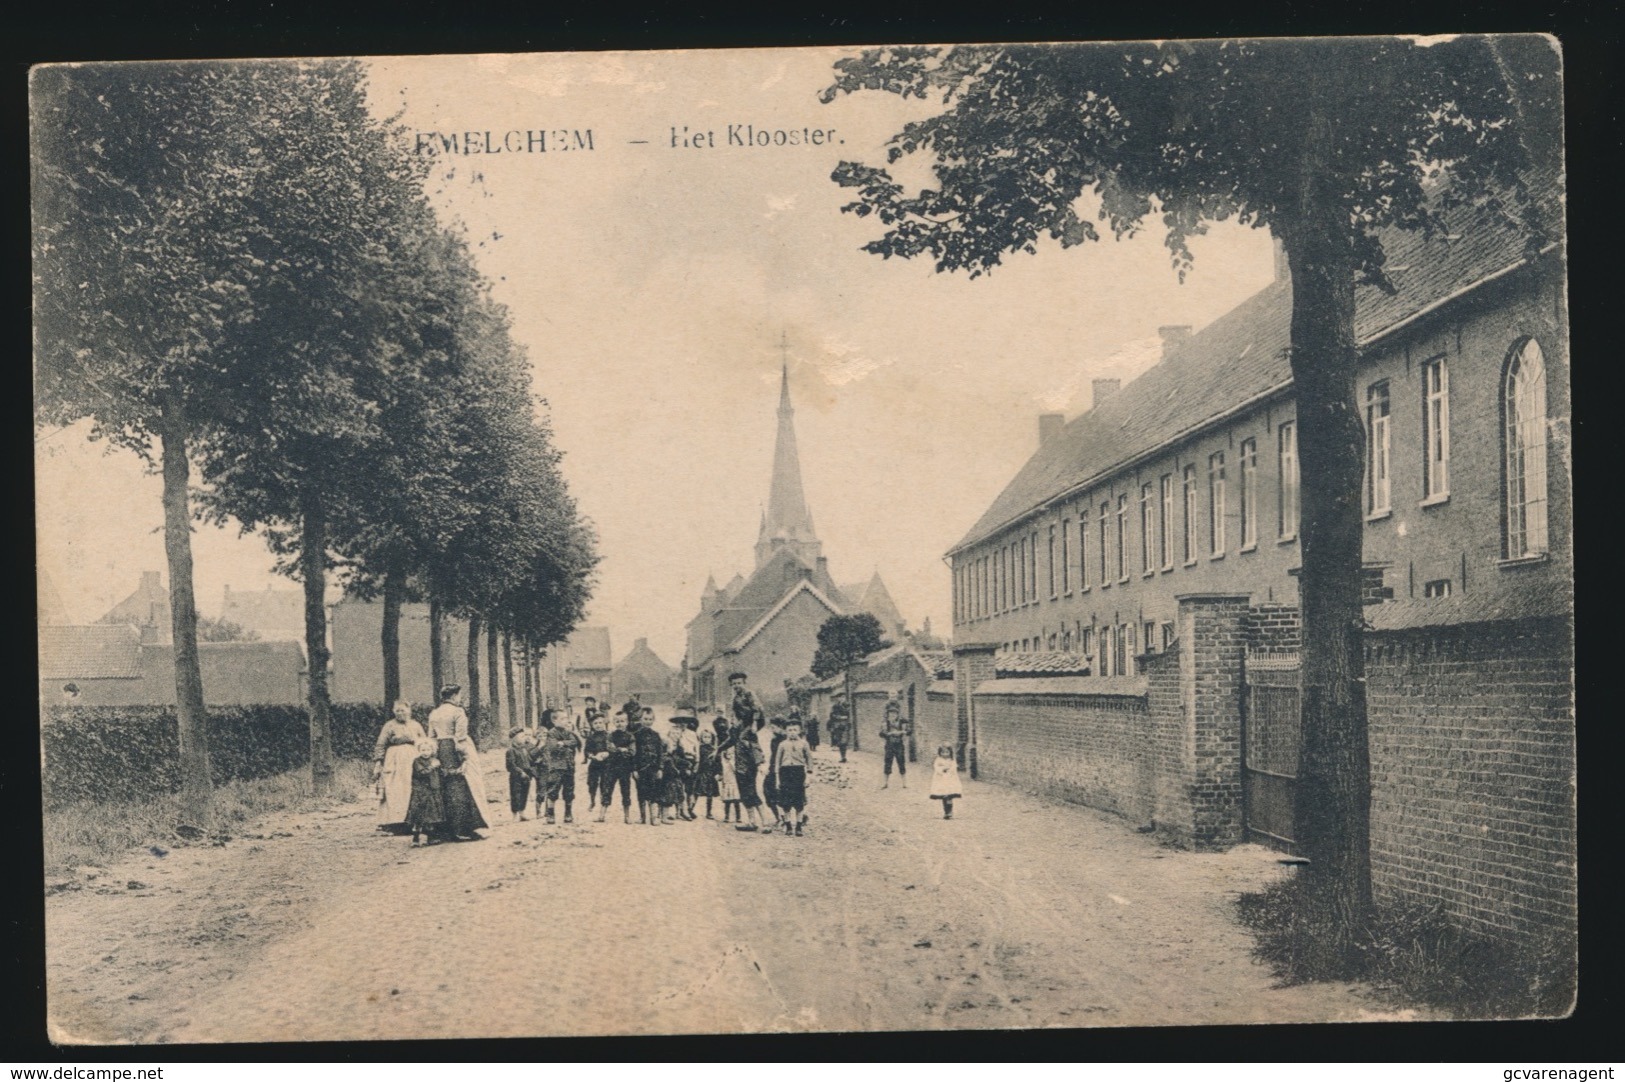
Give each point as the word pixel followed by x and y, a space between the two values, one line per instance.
pixel 237 272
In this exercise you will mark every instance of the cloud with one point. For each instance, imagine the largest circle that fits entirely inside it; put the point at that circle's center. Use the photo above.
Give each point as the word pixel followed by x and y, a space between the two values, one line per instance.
pixel 841 363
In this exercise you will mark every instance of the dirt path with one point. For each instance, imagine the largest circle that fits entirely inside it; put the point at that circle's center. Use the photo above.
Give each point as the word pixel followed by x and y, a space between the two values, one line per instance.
pixel 1017 913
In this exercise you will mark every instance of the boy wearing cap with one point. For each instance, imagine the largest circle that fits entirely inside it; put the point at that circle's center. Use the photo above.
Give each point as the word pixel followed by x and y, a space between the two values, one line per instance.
pixel 520 771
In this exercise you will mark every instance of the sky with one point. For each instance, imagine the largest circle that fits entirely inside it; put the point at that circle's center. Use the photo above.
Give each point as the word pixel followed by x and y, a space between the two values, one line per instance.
pixel 657 289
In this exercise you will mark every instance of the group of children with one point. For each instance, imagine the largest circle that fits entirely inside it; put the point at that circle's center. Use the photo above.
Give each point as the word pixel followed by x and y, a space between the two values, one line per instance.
pixel 668 771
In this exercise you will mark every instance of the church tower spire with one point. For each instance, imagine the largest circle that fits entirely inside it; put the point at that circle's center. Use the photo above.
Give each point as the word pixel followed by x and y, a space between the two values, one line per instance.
pixel 787 522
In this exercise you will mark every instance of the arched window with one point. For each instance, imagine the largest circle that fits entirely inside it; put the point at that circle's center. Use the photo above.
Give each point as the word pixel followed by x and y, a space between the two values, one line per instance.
pixel 1525 411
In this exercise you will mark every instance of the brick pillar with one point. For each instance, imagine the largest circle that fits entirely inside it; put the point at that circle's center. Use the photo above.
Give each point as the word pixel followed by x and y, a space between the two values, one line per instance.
pixel 1212 647
pixel 973 664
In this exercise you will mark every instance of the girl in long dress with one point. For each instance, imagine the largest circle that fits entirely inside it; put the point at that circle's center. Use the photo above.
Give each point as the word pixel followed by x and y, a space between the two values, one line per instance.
pixel 424 811
pixel 392 757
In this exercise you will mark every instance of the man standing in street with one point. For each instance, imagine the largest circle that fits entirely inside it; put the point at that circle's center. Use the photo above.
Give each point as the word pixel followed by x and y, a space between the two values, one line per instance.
pixel 895 735
pixel 840 728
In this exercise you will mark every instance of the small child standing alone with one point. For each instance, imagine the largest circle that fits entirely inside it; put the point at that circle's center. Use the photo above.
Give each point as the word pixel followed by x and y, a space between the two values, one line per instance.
pixel 520 771
pixel 945 780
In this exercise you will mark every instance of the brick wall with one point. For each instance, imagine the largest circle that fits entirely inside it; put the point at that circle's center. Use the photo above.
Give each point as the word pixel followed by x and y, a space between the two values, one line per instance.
pixel 1048 736
pixel 937 724
pixel 1273 629
pixel 1472 767
pixel 1161 748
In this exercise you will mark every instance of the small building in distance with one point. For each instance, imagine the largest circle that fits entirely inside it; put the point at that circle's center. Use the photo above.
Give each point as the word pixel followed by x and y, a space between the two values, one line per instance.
pixel 109 665
pixel 355 630
pixel 588 668
pixel 642 673
pixel 274 615
pixel 147 609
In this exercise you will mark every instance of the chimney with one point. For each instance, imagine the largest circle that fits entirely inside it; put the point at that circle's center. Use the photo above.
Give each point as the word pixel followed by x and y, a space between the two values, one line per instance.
pixel 641 644
pixel 1104 389
pixel 823 567
pixel 1172 337
pixel 1049 426
pixel 1282 271
pixel 151 583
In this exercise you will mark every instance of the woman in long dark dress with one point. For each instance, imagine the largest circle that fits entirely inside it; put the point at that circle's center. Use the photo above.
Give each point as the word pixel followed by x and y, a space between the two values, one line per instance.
pixel 462 815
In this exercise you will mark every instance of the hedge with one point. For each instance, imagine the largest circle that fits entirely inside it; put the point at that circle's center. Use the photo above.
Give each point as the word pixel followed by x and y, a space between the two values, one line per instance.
pixel 117 752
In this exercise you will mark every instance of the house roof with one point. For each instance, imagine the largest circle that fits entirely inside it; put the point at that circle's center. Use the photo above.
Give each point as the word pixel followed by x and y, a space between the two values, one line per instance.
pixel 938 663
pixel 266 611
pixel 1041 663
pixel 801 586
pixel 641 668
pixel 1240 358
pixel 588 648
pixel 89 652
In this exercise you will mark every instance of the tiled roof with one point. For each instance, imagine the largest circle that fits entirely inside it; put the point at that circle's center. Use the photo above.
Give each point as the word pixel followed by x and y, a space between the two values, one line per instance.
pixel 89 652
pixel 1043 663
pixel 589 648
pixel 1514 599
pixel 1065 685
pixel 1240 357
pixel 937 663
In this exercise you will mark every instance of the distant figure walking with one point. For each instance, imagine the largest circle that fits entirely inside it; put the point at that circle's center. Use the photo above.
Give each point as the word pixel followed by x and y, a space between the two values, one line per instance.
pixel 392 758
pixel 945 780
pixel 840 728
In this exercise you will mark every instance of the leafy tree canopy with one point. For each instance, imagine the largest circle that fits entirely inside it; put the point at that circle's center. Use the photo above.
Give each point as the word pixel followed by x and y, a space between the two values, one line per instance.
pixel 843 640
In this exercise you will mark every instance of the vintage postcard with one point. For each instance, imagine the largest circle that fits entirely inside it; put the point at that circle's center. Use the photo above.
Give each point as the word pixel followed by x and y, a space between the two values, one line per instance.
pixel 804 540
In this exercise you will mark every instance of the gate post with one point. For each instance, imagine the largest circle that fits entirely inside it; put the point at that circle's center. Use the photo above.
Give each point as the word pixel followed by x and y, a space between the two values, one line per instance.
pixel 1212 649
pixel 973 663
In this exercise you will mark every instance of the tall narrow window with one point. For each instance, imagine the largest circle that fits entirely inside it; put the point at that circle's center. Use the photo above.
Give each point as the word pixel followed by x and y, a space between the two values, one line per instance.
pixel 1525 407
pixel 1122 537
pixel 1249 493
pixel 1378 491
pixel 1148 529
pixel 1190 514
pixel 1287 441
pixel 1106 639
pixel 1054 584
pixel 1122 650
pixel 1083 548
pixel 1032 568
pixel 1105 544
pixel 1165 535
pixel 1215 502
pixel 986 596
pixel 1021 571
pixel 1435 430
pixel 1066 556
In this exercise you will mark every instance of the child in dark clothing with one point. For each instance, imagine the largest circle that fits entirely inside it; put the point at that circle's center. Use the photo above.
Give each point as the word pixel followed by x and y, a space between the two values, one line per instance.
pixel 520 771
pixel 424 809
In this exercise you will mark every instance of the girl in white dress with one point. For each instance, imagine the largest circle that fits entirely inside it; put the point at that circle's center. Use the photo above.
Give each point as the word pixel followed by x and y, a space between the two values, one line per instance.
pixel 945 780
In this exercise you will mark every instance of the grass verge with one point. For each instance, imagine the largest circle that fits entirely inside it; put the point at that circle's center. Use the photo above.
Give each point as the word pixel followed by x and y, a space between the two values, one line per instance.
pixel 1416 955
pixel 96 833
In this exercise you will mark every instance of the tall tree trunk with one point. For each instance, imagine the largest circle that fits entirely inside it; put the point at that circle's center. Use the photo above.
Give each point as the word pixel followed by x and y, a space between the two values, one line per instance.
pixel 437 661
pixel 476 716
pixel 507 670
pixel 313 569
pixel 492 676
pixel 1333 804
pixel 524 660
pixel 390 636
pixel 197 791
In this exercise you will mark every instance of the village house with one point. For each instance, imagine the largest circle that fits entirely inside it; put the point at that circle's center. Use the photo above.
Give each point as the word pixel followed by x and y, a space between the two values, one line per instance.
pixel 273 615
pixel 1154 541
pixel 642 673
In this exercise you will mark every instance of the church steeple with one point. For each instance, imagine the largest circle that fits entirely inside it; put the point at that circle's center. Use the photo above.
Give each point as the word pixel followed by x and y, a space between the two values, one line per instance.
pixel 787 522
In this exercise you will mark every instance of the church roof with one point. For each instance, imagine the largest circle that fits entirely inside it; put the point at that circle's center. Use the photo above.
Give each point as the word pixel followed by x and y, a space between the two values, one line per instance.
pixel 804 586
pixel 1240 358
pixel 873 597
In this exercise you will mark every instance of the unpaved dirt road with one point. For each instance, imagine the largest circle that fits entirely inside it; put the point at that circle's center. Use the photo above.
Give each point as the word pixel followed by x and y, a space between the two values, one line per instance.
pixel 1017 913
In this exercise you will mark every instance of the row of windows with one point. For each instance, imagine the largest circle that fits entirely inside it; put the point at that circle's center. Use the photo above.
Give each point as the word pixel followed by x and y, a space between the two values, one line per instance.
pixel 1119 643
pixel 1007 578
